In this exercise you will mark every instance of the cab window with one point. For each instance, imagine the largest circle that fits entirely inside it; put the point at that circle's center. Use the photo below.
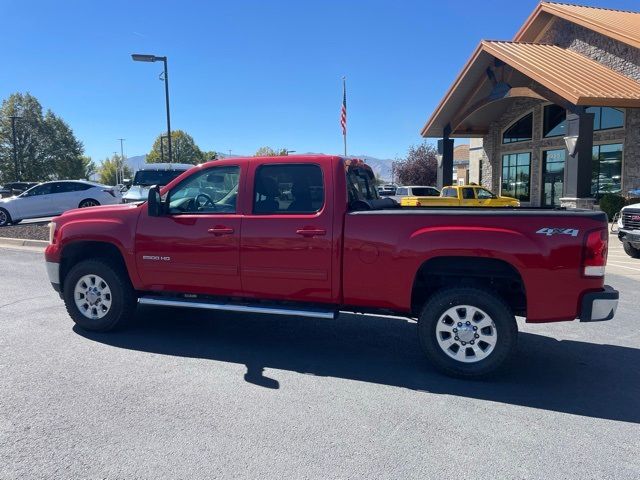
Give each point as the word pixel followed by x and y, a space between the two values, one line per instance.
pixel 484 194
pixel 467 194
pixel 213 190
pixel 402 192
pixel 288 189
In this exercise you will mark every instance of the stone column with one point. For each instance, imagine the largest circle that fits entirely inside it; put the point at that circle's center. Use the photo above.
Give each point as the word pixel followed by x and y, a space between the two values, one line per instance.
pixel 445 166
pixel 577 187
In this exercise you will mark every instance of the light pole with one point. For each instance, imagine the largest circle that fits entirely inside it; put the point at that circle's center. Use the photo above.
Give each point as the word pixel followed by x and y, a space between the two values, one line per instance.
pixel 121 160
pixel 152 58
pixel 15 148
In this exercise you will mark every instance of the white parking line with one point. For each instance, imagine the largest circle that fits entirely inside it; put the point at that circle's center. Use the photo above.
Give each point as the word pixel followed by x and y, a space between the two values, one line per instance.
pixel 623 266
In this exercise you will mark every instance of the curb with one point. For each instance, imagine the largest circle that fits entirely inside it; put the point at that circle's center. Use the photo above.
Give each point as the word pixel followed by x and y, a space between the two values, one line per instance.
pixel 23 242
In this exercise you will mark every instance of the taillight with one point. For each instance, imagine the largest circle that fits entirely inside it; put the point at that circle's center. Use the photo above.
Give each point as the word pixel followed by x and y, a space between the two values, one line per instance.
pixel 595 253
pixel 110 192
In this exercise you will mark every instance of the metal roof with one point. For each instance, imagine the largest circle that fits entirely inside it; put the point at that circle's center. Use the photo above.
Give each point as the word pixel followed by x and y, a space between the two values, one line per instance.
pixel 621 25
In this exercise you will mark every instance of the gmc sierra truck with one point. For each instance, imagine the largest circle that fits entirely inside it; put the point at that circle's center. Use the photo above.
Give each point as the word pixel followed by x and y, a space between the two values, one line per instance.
pixel 309 236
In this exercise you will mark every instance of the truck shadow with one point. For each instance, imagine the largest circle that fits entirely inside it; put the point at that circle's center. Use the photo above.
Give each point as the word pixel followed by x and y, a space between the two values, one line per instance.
pixel 580 378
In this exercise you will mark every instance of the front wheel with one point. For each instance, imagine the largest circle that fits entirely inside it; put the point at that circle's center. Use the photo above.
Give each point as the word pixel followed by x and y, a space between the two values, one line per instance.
pixel 630 250
pixel 5 218
pixel 467 332
pixel 98 296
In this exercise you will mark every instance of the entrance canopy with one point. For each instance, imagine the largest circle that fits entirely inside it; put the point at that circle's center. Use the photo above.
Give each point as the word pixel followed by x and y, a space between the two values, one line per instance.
pixel 498 73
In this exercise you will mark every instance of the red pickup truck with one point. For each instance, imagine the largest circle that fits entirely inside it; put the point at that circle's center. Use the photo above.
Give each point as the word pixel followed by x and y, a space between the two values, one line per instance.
pixel 309 236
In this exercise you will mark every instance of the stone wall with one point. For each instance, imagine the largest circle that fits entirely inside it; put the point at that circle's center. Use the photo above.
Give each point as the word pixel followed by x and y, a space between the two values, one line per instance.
pixel 616 55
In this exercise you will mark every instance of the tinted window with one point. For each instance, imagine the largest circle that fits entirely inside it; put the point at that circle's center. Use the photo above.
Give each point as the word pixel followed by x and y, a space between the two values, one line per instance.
pixel 555 121
pixel 605 118
pixel 288 189
pixel 155 177
pixel 467 194
pixel 213 190
pixel 450 193
pixel 425 192
pixel 43 189
pixel 516 175
pixel 519 131
pixel 361 184
pixel 606 172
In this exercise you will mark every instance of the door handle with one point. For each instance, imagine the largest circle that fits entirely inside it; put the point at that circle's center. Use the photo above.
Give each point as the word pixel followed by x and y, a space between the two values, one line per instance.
pixel 311 232
pixel 220 230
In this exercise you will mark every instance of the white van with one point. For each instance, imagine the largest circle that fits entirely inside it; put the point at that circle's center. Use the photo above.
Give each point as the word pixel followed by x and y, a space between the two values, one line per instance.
pixel 151 174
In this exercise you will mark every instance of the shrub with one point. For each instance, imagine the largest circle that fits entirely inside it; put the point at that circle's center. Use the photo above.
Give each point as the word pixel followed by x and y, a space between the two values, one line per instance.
pixel 611 204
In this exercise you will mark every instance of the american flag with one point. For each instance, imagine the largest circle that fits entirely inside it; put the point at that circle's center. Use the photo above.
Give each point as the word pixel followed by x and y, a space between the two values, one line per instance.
pixel 343 112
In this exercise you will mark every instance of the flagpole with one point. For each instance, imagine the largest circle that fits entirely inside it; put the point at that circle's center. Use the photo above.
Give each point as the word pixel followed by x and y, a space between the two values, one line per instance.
pixel 344 131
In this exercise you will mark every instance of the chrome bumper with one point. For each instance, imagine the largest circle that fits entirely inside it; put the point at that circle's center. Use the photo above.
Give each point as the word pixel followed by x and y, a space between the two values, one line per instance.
pixel 53 272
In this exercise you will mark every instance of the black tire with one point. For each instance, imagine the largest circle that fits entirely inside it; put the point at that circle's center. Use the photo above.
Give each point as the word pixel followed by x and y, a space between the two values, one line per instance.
pixel 5 218
pixel 122 295
pixel 88 202
pixel 630 250
pixel 506 331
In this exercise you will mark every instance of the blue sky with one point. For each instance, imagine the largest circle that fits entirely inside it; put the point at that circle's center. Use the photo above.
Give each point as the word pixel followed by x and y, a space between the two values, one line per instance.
pixel 244 74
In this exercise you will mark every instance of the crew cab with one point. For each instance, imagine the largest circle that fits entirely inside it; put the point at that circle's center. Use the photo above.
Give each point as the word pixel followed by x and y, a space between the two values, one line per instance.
pixel 309 236
pixel 460 196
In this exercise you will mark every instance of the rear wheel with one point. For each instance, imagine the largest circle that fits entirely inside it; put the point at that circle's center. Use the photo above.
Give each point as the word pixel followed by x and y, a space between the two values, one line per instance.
pixel 630 250
pixel 467 332
pixel 5 218
pixel 89 202
pixel 98 297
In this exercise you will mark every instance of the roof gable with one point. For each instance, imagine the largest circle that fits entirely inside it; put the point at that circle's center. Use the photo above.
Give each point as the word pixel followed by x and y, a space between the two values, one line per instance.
pixel 620 25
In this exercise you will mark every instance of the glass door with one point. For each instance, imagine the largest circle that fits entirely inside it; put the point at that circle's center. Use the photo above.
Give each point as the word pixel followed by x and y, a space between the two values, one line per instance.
pixel 552 177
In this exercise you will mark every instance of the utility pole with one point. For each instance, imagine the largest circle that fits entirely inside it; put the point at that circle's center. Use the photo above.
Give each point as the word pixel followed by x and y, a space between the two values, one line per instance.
pixel 15 147
pixel 122 160
pixel 162 137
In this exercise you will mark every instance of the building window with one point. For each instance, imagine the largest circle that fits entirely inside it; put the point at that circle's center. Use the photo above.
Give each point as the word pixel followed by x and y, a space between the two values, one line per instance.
pixel 554 122
pixel 520 131
pixel 606 118
pixel 606 171
pixel 516 175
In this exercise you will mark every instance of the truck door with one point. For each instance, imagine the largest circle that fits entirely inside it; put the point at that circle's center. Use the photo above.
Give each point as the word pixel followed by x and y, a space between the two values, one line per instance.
pixel 287 237
pixel 195 246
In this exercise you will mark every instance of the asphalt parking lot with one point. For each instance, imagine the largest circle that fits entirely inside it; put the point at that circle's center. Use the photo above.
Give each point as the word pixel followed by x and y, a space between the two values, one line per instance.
pixel 184 394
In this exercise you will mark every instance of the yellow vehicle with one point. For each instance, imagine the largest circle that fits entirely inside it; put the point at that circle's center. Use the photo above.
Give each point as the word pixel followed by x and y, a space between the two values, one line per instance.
pixel 461 196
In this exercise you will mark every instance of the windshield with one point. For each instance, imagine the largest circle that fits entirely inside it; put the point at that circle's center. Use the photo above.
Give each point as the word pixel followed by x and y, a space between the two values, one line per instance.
pixel 146 178
pixel 361 184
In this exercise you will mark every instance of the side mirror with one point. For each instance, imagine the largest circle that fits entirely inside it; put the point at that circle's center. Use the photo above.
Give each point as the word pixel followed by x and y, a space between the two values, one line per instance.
pixel 155 207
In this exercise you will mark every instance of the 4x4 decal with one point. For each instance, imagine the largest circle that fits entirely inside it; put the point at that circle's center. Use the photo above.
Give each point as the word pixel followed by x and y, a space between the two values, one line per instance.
pixel 548 231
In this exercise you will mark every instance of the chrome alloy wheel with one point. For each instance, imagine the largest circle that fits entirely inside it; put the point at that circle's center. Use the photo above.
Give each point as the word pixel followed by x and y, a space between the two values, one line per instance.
pixel 466 333
pixel 88 203
pixel 92 296
pixel 4 218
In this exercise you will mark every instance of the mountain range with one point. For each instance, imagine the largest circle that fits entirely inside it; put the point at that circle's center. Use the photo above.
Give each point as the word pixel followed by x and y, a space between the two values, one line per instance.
pixel 380 166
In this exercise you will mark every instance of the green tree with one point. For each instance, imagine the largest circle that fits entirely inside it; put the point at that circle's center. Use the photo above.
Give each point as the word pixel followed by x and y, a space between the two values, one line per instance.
pixel 270 152
pixel 183 149
pixel 210 155
pixel 108 170
pixel 46 147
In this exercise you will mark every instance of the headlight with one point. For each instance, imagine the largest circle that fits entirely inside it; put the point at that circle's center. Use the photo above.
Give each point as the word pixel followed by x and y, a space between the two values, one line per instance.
pixel 52 232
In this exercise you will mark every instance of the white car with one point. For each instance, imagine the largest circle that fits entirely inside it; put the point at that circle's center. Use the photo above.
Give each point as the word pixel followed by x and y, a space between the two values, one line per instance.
pixel 415 191
pixel 53 198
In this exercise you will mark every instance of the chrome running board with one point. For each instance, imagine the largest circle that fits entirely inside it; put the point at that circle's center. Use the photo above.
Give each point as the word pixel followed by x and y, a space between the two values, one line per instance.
pixel 231 307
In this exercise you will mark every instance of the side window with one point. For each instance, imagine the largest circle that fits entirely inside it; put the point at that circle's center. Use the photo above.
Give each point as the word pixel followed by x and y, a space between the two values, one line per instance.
pixel 44 189
pixel 484 194
pixel 212 190
pixel 63 187
pixel 402 191
pixel 288 188
pixel 450 193
pixel 467 194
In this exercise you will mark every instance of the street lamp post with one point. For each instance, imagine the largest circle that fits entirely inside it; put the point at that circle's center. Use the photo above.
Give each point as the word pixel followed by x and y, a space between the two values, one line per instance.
pixel 15 148
pixel 152 58
pixel 121 161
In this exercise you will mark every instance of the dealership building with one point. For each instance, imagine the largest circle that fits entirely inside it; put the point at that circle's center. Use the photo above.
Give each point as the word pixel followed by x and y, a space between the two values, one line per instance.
pixel 553 116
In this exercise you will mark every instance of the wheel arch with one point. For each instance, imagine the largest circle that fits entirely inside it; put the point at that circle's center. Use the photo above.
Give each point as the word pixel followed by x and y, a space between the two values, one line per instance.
pixel 78 251
pixel 492 274
pixel 88 199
